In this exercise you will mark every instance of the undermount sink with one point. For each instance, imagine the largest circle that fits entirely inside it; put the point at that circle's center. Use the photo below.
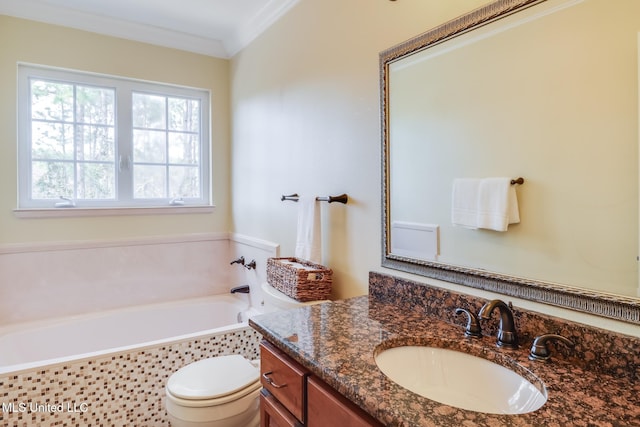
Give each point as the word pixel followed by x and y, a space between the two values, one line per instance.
pixel 460 380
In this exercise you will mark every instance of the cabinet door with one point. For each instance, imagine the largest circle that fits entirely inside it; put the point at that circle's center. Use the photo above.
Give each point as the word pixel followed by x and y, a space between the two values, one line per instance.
pixel 284 378
pixel 273 414
pixel 326 407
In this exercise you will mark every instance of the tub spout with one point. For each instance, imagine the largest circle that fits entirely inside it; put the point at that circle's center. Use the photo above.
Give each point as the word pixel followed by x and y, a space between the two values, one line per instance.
pixel 242 289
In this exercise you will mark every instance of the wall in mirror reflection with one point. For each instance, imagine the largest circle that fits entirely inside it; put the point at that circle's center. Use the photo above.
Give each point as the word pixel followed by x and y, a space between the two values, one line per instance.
pixel 554 99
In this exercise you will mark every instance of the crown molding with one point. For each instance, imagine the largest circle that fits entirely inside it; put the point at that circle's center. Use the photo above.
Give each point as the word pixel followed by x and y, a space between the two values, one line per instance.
pixel 251 29
pixel 121 28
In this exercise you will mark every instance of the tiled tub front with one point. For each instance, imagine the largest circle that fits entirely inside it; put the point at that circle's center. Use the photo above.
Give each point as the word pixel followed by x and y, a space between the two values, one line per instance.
pixel 124 389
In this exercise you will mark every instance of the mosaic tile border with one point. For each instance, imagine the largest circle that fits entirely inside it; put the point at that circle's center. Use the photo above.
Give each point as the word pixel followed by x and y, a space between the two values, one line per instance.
pixel 125 389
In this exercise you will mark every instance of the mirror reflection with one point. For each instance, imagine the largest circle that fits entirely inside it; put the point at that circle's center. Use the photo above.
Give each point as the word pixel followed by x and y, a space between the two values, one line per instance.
pixel 549 94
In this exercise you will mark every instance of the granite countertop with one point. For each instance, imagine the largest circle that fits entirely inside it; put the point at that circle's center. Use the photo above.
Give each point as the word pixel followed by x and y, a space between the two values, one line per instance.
pixel 337 341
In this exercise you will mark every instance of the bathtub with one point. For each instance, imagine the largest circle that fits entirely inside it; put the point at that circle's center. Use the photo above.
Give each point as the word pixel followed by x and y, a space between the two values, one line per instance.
pixel 113 365
pixel 91 335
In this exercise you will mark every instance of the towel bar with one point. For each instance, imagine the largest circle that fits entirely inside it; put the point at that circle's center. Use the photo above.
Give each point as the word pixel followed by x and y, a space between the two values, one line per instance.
pixel 518 181
pixel 343 198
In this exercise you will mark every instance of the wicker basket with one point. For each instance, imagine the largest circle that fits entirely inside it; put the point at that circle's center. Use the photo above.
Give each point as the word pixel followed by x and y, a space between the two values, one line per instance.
pixel 300 279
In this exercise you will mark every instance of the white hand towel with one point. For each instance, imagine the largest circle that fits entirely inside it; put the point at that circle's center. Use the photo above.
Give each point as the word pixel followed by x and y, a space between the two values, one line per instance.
pixel 497 204
pixel 464 208
pixel 309 239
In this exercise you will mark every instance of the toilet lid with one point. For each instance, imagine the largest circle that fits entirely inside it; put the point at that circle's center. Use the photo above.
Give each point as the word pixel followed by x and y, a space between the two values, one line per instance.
pixel 212 378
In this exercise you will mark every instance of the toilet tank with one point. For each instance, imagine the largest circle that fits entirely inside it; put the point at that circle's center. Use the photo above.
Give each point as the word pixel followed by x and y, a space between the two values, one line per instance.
pixel 274 300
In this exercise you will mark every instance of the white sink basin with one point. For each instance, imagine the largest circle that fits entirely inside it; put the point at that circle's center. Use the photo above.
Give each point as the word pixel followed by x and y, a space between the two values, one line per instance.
pixel 461 380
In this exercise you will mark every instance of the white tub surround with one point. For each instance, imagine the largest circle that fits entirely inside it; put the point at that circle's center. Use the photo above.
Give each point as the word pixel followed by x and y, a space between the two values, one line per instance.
pixel 43 280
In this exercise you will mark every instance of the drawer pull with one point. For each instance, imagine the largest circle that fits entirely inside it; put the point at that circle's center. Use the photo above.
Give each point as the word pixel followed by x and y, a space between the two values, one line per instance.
pixel 268 379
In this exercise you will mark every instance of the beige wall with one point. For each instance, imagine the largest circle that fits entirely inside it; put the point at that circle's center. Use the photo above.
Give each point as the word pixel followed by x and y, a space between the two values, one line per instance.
pixel 305 107
pixel 28 41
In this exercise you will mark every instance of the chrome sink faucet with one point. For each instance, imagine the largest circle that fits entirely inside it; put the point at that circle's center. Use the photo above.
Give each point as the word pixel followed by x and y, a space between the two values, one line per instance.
pixel 507 336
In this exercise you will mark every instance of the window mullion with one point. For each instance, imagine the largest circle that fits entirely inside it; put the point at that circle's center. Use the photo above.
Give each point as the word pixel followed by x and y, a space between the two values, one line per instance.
pixel 76 142
pixel 124 143
pixel 166 148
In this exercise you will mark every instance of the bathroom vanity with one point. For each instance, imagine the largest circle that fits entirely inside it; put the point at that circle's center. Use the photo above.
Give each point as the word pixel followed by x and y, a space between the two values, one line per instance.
pixel 330 350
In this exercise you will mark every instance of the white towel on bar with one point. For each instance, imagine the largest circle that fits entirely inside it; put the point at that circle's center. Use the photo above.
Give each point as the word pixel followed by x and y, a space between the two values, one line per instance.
pixel 489 203
pixel 464 209
pixel 497 204
pixel 309 239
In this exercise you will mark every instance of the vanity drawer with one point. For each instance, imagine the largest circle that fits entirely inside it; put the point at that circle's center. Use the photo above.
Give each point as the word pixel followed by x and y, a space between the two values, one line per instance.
pixel 273 414
pixel 284 378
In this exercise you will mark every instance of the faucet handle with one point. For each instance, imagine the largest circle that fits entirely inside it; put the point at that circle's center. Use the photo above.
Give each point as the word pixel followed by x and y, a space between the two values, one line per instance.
pixel 539 349
pixel 238 261
pixel 473 325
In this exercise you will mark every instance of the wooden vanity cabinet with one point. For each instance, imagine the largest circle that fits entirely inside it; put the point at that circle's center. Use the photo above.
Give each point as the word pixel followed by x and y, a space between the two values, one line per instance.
pixel 292 397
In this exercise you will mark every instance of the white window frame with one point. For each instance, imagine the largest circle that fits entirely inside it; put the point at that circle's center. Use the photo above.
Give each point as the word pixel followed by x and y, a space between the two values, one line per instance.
pixel 124 88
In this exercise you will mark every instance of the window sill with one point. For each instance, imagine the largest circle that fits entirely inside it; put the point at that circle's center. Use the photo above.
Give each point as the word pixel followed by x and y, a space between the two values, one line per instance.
pixel 86 212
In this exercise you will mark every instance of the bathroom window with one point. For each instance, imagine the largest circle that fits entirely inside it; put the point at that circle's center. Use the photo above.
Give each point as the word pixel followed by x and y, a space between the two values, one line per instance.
pixel 90 141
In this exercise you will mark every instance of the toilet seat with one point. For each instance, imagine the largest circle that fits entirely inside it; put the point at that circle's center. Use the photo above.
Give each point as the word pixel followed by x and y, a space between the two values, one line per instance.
pixel 213 381
pixel 237 410
pixel 201 403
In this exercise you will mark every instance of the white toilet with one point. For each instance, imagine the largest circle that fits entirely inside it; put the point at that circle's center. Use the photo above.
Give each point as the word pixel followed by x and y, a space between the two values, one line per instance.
pixel 221 391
